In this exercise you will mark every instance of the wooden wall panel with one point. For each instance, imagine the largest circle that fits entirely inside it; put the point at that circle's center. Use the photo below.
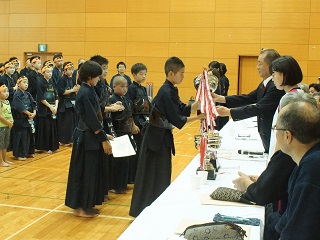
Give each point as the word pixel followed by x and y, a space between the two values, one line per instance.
pixel 105 20
pixel 102 6
pixel 238 35
pixel 298 51
pixel 155 64
pixel 27 20
pixel 17 48
pixel 65 20
pixel 192 20
pixel 315 6
pixel 4 7
pixel 4 36
pixel 237 20
pixel 157 20
pixel 148 34
pixel 313 70
pixel 146 49
pixel 198 50
pixel 67 48
pixel 285 35
pixel 233 50
pixel 314 53
pixel 142 6
pixel 189 6
pixel 4 20
pixel 285 20
pixel 4 50
pixel 105 48
pixel 28 6
pixel 66 6
pixel 314 36
pixel 314 19
pixel 25 34
pixel 283 6
pixel 239 6
pixel 196 64
pixel 105 34
pixel 190 35
pixel 64 34
pixel 304 67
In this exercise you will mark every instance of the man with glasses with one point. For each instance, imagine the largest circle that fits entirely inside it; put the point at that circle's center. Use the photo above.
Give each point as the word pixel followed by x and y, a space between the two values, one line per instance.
pixel 271 185
pixel 298 135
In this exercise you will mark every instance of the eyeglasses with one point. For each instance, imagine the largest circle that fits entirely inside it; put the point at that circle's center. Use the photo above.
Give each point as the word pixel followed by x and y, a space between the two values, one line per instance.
pixel 275 128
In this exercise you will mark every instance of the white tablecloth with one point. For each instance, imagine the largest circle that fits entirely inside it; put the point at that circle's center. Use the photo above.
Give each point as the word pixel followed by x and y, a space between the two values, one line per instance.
pixel 180 201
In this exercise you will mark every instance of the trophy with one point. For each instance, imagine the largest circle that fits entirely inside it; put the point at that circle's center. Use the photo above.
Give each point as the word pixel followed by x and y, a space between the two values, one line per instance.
pixel 209 140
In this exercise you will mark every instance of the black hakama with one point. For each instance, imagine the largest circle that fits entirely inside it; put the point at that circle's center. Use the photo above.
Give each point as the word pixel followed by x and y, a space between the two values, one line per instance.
pixel 66 124
pixel 154 165
pixel 47 134
pixel 85 188
pixel 47 131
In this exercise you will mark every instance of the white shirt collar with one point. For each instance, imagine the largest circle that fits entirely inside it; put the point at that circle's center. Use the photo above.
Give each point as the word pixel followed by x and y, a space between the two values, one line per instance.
pixel 265 82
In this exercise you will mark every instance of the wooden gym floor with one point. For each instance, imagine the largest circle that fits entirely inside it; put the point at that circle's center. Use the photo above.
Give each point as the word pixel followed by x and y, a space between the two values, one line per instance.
pixel 32 196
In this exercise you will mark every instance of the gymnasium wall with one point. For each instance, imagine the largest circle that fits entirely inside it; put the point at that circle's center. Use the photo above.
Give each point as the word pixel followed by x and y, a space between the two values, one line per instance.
pixel 150 31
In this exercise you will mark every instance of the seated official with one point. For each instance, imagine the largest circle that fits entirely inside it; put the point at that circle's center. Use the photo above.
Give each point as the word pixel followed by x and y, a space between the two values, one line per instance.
pixel 298 135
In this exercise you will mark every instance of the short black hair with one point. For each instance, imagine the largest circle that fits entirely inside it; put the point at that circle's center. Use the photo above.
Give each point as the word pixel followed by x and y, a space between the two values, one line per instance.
pixel 33 57
pixel 316 86
pixel 215 65
pixel 289 67
pixel 173 64
pixel 57 55
pixel 12 58
pixel 121 63
pixel 89 69
pixel 136 68
pixel 223 68
pixel 100 60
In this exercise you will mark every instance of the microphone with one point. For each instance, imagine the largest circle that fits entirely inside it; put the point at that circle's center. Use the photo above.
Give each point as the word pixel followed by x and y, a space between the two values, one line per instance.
pixel 248 152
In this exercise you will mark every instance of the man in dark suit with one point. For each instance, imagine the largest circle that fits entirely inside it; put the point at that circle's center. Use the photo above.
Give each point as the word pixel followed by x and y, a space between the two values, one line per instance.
pixel 261 102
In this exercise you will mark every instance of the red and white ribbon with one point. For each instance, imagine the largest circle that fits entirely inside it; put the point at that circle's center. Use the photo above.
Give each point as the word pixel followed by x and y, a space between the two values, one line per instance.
pixel 207 105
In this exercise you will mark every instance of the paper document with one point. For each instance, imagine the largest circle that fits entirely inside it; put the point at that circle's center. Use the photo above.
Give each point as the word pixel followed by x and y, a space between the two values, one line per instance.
pixel 122 147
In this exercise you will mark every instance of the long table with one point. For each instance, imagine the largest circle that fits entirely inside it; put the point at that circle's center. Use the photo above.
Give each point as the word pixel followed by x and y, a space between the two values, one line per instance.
pixel 180 202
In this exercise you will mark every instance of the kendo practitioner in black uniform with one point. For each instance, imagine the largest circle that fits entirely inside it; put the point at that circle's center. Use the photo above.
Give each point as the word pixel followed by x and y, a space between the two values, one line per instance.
pixel 34 76
pixel 8 80
pixel 104 93
pixel 66 116
pixel 47 96
pixel 123 124
pixel 154 165
pixel 140 111
pixel 26 70
pixel 57 71
pixel 15 62
pixel 85 188
pixel 23 111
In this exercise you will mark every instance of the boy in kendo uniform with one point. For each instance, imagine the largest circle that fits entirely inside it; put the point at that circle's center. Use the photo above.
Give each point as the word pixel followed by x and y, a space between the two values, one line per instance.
pixel 123 124
pixel 15 62
pixel 104 91
pixel 140 110
pixel 8 80
pixel 34 76
pixel 47 131
pixel 66 116
pixel 57 71
pixel 23 111
pixel 25 71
